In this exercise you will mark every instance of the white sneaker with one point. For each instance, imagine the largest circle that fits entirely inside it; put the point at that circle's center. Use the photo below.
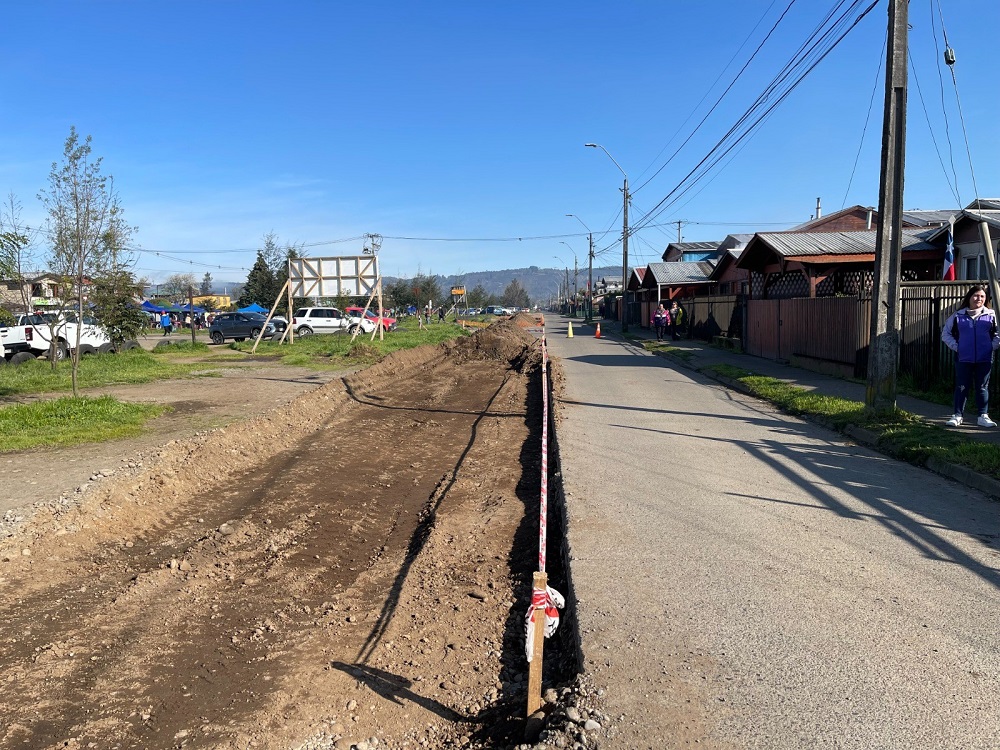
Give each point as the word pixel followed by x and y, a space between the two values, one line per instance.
pixel 985 421
pixel 955 421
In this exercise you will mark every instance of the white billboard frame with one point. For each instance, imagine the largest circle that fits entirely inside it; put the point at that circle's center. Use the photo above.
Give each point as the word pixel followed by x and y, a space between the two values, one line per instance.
pixel 338 276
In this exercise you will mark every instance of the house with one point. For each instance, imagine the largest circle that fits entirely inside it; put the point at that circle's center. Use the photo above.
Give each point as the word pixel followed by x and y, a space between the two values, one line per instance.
pixel 821 264
pixel 662 282
pixel 970 255
pixel 860 218
pixel 32 293
pixel 680 252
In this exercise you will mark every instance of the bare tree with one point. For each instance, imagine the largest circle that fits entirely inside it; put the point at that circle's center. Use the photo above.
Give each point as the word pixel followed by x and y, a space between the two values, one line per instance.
pixel 177 285
pixel 86 225
pixel 16 242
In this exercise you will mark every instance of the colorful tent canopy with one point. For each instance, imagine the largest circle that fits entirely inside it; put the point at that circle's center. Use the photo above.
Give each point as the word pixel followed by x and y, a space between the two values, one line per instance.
pixel 253 307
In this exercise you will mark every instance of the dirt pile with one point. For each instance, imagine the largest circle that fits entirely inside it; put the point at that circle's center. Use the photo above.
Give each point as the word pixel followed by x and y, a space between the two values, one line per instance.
pixel 351 566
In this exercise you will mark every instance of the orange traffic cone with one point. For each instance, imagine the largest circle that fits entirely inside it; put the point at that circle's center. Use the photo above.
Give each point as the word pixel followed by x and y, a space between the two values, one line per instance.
pixel 597 334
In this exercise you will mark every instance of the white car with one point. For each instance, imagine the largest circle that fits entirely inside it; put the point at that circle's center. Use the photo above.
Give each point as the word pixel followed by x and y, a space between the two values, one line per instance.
pixel 33 334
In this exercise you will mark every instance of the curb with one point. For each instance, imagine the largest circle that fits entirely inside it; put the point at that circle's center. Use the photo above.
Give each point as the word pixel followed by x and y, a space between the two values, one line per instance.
pixel 962 474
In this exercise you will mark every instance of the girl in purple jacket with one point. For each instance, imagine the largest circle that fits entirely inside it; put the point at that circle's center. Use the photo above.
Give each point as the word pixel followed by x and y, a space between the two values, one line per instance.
pixel 971 332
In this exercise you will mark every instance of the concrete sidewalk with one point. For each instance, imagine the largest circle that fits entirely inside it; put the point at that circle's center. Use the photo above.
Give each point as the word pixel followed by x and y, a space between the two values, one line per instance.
pixel 700 355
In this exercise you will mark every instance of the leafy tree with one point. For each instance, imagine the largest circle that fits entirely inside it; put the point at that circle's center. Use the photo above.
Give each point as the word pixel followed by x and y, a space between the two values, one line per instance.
pixel 113 297
pixel 399 293
pixel 177 287
pixel 206 285
pixel 210 303
pixel 515 295
pixel 426 289
pixel 88 231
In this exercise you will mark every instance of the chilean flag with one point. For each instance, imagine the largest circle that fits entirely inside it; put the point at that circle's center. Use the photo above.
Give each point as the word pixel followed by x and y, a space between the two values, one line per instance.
pixel 949 259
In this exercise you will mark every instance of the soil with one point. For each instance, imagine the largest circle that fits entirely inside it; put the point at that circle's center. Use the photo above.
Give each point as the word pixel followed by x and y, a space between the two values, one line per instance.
pixel 352 564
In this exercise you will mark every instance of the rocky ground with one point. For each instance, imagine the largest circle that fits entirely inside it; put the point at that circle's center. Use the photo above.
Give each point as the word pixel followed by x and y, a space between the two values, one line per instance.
pixel 351 568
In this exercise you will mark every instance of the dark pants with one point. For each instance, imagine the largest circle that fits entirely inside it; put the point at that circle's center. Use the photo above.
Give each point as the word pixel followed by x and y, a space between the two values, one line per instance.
pixel 673 331
pixel 979 374
pixel 660 328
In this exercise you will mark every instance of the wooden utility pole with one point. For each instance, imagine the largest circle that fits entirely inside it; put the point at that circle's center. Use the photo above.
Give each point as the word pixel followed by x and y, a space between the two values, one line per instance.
pixel 679 224
pixel 624 257
pixel 590 279
pixel 191 311
pixel 883 351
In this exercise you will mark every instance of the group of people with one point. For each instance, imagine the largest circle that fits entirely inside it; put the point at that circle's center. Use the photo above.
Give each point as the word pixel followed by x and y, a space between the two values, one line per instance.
pixel 168 321
pixel 664 319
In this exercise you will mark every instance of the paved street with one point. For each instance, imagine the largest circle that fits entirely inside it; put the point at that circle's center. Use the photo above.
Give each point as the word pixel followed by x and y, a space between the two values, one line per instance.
pixel 750 580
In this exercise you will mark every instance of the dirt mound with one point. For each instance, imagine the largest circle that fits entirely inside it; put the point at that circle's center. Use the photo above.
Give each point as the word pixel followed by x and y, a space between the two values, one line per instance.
pixel 527 320
pixel 352 565
pixel 502 341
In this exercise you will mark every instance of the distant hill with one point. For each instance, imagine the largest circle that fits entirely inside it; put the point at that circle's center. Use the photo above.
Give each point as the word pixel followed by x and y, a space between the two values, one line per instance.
pixel 539 283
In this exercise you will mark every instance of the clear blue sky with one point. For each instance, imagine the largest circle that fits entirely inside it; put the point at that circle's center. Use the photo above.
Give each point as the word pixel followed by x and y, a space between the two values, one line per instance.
pixel 320 121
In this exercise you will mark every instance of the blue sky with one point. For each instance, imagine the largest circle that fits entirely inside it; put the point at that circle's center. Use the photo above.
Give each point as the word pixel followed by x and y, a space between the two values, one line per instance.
pixel 321 121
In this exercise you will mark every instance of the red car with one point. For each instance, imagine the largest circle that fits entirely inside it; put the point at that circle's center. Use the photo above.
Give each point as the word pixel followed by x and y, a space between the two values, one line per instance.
pixel 355 312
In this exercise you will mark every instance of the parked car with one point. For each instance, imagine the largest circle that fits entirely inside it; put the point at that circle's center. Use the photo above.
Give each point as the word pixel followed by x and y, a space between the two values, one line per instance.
pixel 31 337
pixel 239 327
pixel 309 320
pixel 280 323
pixel 497 310
pixel 355 313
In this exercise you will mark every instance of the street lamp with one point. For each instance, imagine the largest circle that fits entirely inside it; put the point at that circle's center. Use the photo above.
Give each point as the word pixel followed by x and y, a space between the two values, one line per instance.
pixel 566 268
pixel 624 235
pixel 576 285
pixel 590 269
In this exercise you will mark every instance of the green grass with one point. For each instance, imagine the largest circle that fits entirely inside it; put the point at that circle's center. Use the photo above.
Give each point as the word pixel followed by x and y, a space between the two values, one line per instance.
pixel 136 366
pixel 336 351
pixel 899 434
pixel 69 421
pixel 665 348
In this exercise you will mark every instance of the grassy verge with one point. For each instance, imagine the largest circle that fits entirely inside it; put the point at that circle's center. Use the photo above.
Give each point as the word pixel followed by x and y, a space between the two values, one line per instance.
pixel 336 351
pixel 664 348
pixel 69 421
pixel 901 434
pixel 136 366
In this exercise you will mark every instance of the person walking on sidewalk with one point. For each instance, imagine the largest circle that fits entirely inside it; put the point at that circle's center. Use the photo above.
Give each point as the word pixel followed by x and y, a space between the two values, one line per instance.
pixel 971 332
pixel 674 317
pixel 660 318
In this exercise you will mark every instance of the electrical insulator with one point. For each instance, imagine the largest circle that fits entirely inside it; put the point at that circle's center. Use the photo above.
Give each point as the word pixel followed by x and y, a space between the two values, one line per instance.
pixel 949 56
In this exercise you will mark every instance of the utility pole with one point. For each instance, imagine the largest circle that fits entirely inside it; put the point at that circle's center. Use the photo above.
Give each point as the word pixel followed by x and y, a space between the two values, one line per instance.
pixel 576 286
pixel 569 307
pixel 590 279
pixel 679 240
pixel 883 350
pixel 625 259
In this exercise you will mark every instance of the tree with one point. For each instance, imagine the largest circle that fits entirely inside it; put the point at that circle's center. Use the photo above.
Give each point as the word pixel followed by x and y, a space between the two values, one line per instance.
pixel 113 297
pixel 515 295
pixel 206 285
pixel 15 246
pixel 260 284
pixel 177 287
pixel 88 231
pixel 478 297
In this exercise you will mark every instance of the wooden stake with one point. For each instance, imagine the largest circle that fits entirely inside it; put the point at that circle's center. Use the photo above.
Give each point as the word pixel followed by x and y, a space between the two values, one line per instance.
pixel 269 316
pixel 539 583
pixel 291 312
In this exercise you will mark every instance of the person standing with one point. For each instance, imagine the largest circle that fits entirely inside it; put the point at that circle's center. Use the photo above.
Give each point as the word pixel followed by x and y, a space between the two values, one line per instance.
pixel 440 315
pixel 971 332
pixel 675 315
pixel 660 318
pixel 165 323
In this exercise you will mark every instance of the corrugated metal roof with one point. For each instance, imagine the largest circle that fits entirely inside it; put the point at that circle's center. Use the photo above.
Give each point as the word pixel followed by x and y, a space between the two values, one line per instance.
pixel 686 247
pixel 985 204
pixel 837 243
pixel 926 218
pixel 687 272
pixel 990 217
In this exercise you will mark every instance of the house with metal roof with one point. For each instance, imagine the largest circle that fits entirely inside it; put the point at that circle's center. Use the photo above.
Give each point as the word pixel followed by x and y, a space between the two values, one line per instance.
pixel 859 218
pixel 665 282
pixel 821 264
pixel 970 253
pixel 680 252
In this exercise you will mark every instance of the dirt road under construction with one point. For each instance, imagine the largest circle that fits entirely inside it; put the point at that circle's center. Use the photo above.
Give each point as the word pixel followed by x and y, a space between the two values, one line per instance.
pixel 354 564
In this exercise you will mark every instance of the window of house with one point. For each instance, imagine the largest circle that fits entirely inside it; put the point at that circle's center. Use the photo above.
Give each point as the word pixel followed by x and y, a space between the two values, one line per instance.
pixel 975 268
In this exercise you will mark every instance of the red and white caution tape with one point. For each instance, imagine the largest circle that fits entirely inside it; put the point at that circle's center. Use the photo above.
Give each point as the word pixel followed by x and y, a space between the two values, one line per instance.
pixel 547 601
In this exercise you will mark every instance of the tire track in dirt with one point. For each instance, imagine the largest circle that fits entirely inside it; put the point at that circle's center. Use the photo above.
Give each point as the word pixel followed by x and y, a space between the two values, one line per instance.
pixel 212 618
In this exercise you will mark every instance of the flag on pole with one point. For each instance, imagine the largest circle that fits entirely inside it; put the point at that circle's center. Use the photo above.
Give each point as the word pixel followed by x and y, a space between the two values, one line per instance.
pixel 949 257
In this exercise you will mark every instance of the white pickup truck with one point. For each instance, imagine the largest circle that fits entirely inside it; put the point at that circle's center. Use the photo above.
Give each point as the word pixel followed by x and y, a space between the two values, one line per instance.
pixel 32 335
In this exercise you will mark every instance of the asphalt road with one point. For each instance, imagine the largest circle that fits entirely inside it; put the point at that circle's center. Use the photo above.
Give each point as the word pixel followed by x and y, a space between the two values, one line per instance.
pixel 751 580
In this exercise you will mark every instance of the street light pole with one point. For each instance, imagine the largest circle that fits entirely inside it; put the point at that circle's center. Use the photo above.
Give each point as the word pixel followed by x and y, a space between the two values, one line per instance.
pixel 624 310
pixel 590 268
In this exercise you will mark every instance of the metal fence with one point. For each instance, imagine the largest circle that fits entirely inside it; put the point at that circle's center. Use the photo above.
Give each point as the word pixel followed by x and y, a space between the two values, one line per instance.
pixel 837 330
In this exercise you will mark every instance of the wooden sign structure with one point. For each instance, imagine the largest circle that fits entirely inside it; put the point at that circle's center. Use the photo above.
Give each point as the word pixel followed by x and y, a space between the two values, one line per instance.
pixel 341 276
